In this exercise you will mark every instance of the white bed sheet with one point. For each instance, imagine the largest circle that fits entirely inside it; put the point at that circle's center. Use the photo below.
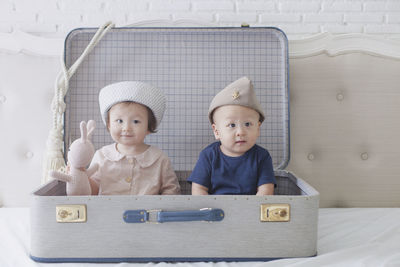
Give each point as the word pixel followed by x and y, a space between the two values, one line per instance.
pixel 346 237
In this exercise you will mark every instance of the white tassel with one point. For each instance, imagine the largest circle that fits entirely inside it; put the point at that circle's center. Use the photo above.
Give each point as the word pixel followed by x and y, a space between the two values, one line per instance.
pixel 54 158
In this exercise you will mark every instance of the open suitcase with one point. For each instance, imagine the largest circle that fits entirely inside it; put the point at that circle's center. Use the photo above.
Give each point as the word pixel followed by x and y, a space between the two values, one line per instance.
pixel 190 65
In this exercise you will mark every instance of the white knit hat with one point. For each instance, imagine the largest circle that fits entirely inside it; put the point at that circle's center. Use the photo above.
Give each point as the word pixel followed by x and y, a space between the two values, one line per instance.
pixel 134 91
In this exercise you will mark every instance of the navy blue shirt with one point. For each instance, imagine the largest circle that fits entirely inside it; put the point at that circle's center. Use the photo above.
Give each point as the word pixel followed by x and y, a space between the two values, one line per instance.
pixel 224 175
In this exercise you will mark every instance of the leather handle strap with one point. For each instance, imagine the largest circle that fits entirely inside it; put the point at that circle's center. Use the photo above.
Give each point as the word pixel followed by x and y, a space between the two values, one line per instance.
pixel 142 216
pixel 209 215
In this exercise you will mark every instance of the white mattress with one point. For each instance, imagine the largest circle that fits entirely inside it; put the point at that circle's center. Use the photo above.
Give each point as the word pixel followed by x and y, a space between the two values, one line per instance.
pixel 346 237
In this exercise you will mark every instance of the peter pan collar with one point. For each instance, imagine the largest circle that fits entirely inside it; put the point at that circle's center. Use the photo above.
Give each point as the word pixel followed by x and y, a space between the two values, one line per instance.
pixel 145 159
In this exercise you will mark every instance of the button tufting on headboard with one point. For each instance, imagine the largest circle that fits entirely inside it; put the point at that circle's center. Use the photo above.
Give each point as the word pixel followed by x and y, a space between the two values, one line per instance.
pixel 26 82
pixel 29 154
pixel 364 156
pixel 346 107
pixel 340 97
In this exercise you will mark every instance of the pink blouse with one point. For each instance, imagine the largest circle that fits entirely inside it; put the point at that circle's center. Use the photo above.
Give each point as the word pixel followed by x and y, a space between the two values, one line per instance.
pixel 149 173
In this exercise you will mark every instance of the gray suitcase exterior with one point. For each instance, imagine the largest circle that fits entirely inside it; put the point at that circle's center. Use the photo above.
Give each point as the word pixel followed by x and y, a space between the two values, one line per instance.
pixel 190 65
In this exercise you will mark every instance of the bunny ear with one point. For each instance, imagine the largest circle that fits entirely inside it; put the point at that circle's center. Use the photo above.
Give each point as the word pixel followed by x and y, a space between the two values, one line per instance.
pixel 83 131
pixel 91 125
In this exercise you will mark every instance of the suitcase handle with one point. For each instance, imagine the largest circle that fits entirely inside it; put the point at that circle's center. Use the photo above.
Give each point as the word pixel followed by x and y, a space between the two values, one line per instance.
pixel 143 216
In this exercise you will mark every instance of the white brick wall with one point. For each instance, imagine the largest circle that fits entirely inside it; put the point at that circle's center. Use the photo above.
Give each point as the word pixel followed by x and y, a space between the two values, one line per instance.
pixel 56 18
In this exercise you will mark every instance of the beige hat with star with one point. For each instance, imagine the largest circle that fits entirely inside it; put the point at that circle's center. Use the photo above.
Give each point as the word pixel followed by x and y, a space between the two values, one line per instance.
pixel 240 92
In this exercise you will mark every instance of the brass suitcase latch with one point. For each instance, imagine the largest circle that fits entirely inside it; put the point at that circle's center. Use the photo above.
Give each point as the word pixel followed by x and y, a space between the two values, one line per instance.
pixel 275 213
pixel 71 213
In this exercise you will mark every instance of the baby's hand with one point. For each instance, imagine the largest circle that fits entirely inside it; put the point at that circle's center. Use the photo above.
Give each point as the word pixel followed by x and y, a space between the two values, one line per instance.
pixel 198 189
pixel 265 189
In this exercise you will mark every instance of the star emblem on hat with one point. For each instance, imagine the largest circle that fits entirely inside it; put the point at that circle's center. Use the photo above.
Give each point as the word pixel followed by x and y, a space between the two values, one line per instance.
pixel 235 95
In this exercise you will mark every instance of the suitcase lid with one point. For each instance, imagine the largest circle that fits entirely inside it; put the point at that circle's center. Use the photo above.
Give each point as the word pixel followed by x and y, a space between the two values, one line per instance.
pixel 190 66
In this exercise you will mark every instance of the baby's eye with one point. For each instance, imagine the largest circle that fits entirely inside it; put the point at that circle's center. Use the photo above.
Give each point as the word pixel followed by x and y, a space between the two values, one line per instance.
pixel 119 121
pixel 248 124
pixel 136 121
pixel 231 125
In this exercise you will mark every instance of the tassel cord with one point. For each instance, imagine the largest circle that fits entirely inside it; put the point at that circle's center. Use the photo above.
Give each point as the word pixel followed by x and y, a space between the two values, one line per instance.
pixel 54 159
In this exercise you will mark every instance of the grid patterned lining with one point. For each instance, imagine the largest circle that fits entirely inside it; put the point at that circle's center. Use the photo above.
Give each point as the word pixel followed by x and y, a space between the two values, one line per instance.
pixel 190 66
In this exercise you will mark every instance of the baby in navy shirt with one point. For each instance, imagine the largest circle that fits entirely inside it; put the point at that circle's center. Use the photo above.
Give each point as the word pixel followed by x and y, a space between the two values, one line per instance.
pixel 234 164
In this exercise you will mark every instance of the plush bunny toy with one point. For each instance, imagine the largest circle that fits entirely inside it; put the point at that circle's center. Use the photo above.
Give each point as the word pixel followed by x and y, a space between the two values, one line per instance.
pixel 80 155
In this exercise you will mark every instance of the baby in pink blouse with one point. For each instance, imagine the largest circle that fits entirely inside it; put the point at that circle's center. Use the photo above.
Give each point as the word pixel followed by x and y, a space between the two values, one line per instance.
pixel 131 110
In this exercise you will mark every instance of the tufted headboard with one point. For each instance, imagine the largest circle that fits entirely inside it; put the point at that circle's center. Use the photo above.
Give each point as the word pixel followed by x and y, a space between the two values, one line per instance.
pixel 344 106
